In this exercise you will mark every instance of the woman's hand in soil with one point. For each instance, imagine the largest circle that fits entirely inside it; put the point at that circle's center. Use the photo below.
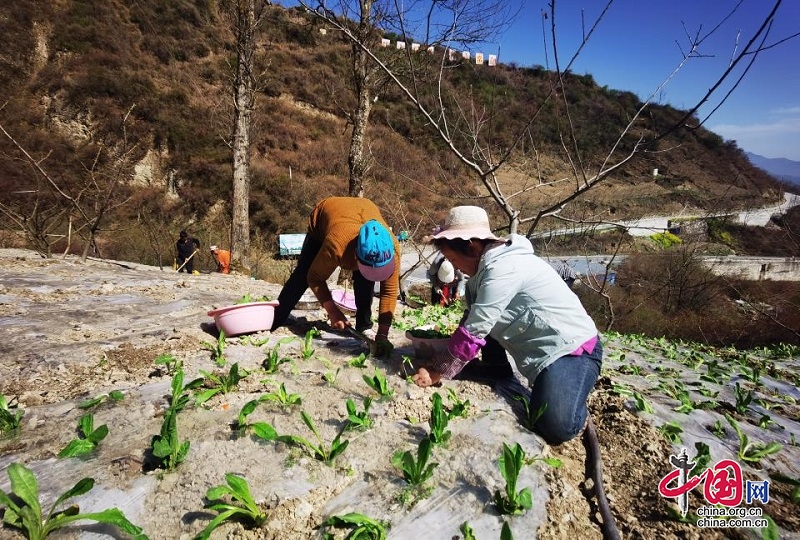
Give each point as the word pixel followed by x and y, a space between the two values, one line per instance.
pixel 425 377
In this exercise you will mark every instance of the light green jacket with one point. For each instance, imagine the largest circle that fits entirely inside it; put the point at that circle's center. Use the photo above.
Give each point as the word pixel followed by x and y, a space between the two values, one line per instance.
pixel 522 302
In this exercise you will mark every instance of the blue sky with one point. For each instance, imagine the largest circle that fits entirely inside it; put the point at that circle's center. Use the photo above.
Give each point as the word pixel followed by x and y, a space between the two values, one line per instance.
pixel 635 48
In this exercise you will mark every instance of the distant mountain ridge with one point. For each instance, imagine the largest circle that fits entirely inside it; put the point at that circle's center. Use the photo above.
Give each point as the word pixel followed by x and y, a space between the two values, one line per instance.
pixel 782 168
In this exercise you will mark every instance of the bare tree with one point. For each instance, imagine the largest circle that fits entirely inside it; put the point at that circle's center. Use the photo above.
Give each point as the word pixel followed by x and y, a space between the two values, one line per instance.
pixel 464 123
pixel 86 206
pixel 245 17
pixel 477 20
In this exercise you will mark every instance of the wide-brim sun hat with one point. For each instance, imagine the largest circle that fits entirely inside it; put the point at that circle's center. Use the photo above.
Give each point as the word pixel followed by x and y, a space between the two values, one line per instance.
pixel 465 222
pixel 375 251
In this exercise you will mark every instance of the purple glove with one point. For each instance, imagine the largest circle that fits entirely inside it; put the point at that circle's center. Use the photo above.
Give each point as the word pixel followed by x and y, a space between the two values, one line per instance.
pixel 463 345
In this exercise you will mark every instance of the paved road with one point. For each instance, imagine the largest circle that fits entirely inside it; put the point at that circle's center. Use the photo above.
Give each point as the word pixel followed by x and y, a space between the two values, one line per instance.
pixel 647 226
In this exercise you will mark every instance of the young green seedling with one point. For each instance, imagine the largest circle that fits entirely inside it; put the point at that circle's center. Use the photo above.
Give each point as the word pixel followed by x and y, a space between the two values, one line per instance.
pixel 458 407
pixel 222 384
pixel 379 383
pixel 416 471
pixel 274 359
pixel 531 416
pixel 701 459
pixel 671 431
pixel 408 368
pixel 743 398
pixel 359 361
pixel 642 405
pixel 167 448
pixel 308 343
pixel 217 349
pixel 752 452
pixel 438 421
pixel 242 505
pixel 360 526
pixel 551 461
pixel 331 376
pixel 262 430
pixel 9 416
pixel 359 420
pixel 89 438
pixel 505 532
pixel 24 512
pixel 169 362
pixel 513 501
pixel 282 397
pixel 114 395
pixel 325 454
pixel 717 429
pixel 467 531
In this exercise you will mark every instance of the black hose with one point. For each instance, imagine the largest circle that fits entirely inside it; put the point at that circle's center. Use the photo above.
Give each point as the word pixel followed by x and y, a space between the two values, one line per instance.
pixel 610 531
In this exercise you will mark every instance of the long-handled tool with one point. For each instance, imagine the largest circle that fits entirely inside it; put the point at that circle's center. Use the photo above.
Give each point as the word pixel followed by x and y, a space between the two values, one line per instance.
pixel 189 258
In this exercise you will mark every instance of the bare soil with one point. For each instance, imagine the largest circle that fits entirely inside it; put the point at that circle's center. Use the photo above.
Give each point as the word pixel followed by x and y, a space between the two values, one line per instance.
pixel 71 331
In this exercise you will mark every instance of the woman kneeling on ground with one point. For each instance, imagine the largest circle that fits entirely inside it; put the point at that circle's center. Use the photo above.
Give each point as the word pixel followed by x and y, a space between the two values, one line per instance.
pixel 519 300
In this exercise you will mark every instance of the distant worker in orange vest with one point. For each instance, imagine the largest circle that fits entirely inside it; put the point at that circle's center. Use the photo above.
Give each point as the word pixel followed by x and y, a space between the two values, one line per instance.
pixel 223 258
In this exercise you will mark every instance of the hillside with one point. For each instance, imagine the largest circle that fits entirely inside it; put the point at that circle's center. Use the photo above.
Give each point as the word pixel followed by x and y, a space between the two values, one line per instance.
pixel 138 95
pixel 781 168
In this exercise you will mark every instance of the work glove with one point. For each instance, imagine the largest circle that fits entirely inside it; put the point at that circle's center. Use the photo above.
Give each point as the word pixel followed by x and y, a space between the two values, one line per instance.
pixel 463 345
pixel 462 348
pixel 381 347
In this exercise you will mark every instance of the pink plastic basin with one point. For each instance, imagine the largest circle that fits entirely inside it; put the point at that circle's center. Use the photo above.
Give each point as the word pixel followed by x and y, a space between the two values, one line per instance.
pixel 428 348
pixel 244 318
pixel 345 300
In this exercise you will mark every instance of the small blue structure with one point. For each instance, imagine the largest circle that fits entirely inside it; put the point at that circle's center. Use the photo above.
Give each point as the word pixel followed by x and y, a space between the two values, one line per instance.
pixel 290 244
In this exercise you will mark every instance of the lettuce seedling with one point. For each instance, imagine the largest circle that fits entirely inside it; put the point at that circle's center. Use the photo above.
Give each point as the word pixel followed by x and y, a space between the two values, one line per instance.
pixel 321 452
pixel 361 526
pixel 359 361
pixel 752 452
pixel 331 376
pixel 217 349
pixel 308 343
pixel 438 422
pixel 114 395
pixel 513 501
pixel 505 532
pixel 9 416
pixel 166 446
pixel 358 419
pixel 379 383
pixel 243 506
pixel 743 398
pixel 531 416
pixel 458 407
pixel 221 383
pixel 416 471
pixel 23 511
pixel 274 360
pixel 282 397
pixel 88 440
pixel 169 362
pixel 467 531
pixel 262 430
pixel 671 431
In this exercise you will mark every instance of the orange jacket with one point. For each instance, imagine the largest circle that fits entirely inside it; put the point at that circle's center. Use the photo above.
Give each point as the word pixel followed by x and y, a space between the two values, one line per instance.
pixel 335 223
pixel 223 258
